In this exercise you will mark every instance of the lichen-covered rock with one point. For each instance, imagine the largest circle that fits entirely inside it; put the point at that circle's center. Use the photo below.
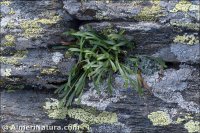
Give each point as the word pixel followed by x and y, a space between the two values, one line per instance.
pixel 36 68
pixel 33 24
pixel 174 102
pixel 156 39
pixel 155 10
pixel 28 31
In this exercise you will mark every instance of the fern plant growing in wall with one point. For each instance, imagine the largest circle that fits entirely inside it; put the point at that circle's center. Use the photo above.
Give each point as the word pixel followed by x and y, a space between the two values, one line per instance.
pixel 99 56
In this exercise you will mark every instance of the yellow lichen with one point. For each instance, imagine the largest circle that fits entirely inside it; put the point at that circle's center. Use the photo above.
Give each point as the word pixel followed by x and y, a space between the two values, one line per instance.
pixel 14 60
pixel 49 71
pixel 90 118
pixel 192 26
pixel 32 28
pixel 192 126
pixel 160 118
pixel 9 60
pixel 183 6
pixel 186 39
pixel 87 116
pixel 11 11
pixel 7 3
pixel 179 120
pixel 149 13
pixel 10 25
pixel 10 39
pixel 84 126
pixel 21 53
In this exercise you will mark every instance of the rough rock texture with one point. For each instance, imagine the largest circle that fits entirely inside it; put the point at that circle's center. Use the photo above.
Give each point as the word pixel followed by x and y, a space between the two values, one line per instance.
pixel 29 29
pixel 162 28
pixel 24 108
pixel 157 27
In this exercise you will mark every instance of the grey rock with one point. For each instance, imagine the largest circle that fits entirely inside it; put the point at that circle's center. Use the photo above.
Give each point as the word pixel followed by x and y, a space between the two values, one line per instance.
pixel 180 53
pixel 23 108
pixel 37 67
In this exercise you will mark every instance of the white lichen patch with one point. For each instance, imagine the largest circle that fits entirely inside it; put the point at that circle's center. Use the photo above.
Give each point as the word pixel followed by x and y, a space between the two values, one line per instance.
pixel 51 103
pixel 6 72
pixel 194 8
pixel 57 57
pixel 192 126
pixel 170 86
pixel 160 118
pixel 100 101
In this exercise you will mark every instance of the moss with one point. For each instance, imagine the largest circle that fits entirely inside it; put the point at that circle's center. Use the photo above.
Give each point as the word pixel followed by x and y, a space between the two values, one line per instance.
pixel 186 39
pixel 149 13
pixel 1 82
pixel 7 3
pixel 87 116
pixel 68 55
pixel 13 88
pixel 183 6
pixel 49 70
pixel 192 26
pixel 160 118
pixel 32 28
pixel 192 126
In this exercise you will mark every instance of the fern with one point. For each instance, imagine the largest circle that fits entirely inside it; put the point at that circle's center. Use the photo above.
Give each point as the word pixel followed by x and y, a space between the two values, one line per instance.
pixel 99 56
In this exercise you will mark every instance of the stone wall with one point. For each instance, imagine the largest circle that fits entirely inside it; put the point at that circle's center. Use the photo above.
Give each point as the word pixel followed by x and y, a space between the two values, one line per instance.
pixel 161 28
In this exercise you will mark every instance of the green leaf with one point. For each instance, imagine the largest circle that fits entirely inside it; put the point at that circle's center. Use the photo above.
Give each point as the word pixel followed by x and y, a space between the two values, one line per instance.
pixel 113 66
pixel 74 49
